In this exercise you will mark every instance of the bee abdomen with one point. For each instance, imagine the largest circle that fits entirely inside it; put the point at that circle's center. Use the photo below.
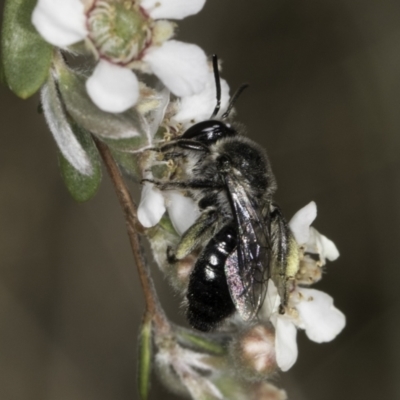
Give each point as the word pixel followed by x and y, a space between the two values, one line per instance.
pixel 208 292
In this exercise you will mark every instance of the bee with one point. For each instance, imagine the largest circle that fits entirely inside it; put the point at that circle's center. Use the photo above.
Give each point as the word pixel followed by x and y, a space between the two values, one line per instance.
pixel 243 238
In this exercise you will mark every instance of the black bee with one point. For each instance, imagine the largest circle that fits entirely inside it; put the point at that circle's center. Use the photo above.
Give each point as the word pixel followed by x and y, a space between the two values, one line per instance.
pixel 243 237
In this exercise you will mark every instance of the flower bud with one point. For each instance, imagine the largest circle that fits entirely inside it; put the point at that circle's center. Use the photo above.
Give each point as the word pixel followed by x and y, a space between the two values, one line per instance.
pixel 253 352
pixel 266 390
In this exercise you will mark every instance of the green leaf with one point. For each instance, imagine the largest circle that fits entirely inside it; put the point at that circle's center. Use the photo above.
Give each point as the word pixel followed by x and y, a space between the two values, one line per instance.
pixel 82 187
pixel 124 129
pixel 128 162
pixel 235 388
pixel 166 224
pixel 61 127
pixel 26 56
pixel 145 353
pixel 211 343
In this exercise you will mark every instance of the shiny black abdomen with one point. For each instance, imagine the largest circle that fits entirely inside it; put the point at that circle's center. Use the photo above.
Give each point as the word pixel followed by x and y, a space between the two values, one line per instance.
pixel 208 293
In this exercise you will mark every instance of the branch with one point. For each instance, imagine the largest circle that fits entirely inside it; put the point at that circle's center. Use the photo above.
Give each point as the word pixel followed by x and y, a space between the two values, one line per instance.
pixel 153 307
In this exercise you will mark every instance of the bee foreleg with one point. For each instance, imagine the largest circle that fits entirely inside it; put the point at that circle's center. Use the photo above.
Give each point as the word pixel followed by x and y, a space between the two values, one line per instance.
pixel 192 184
pixel 285 256
pixel 200 232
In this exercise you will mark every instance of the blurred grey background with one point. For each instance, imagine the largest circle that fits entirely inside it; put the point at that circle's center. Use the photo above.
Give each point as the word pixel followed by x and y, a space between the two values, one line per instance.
pixel 324 100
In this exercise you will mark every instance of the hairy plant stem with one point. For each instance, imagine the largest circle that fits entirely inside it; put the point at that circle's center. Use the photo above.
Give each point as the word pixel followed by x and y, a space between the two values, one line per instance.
pixel 153 307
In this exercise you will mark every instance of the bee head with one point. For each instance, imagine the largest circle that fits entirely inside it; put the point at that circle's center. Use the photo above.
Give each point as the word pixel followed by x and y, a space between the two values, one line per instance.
pixel 208 132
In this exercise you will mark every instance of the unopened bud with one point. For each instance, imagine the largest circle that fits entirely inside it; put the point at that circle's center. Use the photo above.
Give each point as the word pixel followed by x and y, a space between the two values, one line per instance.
pixel 254 352
pixel 179 272
pixel 266 390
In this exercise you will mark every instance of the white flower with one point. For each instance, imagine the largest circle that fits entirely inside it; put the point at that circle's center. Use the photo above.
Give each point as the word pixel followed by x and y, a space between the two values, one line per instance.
pixel 321 245
pixel 199 107
pixel 174 9
pixel 151 207
pixel 319 318
pixel 182 210
pixel 309 309
pixel 141 43
pixel 181 66
pixel 285 342
pixel 107 87
pixel 301 222
pixel 60 22
pixel 309 238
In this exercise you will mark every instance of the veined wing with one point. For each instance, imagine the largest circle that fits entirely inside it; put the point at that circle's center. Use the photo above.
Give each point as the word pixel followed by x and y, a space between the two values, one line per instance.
pixel 247 269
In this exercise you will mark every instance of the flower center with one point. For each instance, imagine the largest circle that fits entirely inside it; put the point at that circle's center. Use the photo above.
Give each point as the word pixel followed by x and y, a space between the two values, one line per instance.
pixel 119 29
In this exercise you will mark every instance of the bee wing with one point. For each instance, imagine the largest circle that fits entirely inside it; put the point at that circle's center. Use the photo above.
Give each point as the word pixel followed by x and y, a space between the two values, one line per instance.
pixel 247 269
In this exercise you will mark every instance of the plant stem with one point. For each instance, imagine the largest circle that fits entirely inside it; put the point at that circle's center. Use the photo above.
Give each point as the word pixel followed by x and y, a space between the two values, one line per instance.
pixel 153 307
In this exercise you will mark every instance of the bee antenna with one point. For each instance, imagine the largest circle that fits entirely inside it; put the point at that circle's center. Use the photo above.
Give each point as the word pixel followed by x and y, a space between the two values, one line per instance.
pixel 234 99
pixel 217 85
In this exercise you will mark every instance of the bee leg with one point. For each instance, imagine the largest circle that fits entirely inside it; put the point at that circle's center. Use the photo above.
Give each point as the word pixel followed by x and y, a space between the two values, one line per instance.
pixel 200 232
pixel 285 256
pixel 193 184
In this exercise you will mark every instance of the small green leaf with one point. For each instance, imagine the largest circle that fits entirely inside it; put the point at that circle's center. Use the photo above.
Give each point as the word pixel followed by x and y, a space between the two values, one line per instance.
pixel 126 126
pixel 128 162
pixel 145 353
pixel 166 224
pixel 61 127
pixel 26 56
pixel 82 187
pixel 234 388
pixel 211 343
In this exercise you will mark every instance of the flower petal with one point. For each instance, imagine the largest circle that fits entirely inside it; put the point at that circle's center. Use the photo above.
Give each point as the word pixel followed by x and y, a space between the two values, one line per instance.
pixel 182 210
pixel 172 9
pixel 320 244
pixel 329 248
pixel 60 22
pixel 182 67
pixel 285 342
pixel 151 207
pixel 112 88
pixel 199 107
pixel 155 117
pixel 322 321
pixel 301 221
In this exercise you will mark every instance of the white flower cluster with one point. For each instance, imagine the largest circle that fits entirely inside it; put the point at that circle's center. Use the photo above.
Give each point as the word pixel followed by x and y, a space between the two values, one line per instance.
pixel 308 309
pixel 126 36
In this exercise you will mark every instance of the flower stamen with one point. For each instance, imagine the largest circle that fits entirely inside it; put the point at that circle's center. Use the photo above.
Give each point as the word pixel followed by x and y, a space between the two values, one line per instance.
pixel 120 31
